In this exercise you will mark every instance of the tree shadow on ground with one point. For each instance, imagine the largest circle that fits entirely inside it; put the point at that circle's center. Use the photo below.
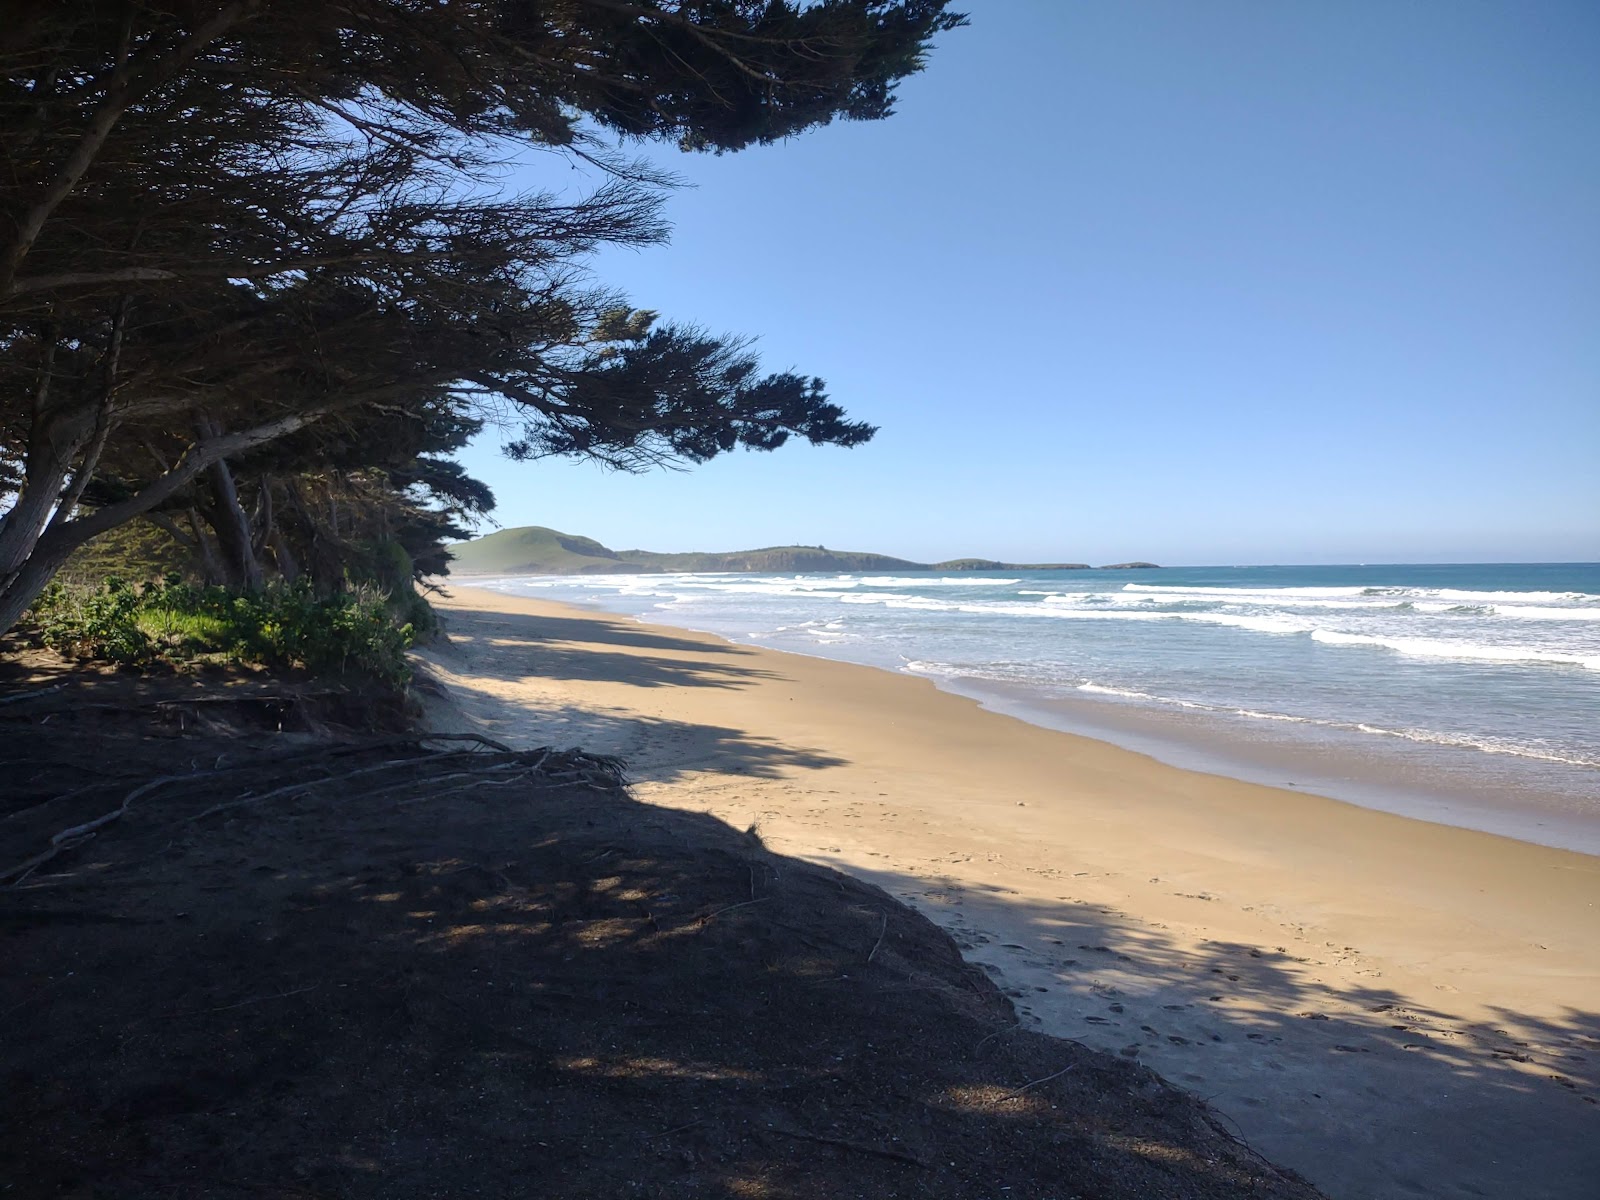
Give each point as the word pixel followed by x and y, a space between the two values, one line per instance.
pixel 1399 1098
pixel 601 629
pixel 658 749
pixel 489 650
pixel 535 990
pixel 512 659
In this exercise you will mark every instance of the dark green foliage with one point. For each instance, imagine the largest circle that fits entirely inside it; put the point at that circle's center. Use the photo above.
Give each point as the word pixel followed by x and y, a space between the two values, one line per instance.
pixel 639 395
pixel 720 74
pixel 258 277
pixel 385 567
pixel 281 626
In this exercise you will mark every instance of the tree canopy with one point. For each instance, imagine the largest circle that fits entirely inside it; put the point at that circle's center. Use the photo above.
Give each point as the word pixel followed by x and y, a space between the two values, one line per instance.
pixel 256 262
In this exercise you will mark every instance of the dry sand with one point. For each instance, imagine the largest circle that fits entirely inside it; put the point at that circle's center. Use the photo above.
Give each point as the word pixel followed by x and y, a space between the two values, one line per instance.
pixel 1391 1007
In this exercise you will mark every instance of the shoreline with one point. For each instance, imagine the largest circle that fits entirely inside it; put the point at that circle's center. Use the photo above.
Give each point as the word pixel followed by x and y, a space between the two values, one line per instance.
pixel 1463 786
pixel 1383 779
pixel 1375 1000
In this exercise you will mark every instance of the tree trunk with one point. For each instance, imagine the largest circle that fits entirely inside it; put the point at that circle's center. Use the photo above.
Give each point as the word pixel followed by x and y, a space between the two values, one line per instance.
pixel 262 520
pixel 53 443
pixel 28 516
pixel 38 558
pixel 23 586
pixel 231 524
pixel 288 565
pixel 206 550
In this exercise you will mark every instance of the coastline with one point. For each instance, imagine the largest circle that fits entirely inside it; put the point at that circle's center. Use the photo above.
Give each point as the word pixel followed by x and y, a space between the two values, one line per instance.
pixel 1390 1006
pixel 1387 778
pixel 1395 760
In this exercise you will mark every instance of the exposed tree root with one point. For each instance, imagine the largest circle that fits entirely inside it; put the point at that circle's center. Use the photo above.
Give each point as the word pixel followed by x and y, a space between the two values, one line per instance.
pixel 424 772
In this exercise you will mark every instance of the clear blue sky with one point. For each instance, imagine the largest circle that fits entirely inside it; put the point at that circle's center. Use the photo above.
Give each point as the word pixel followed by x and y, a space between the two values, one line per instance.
pixel 1200 283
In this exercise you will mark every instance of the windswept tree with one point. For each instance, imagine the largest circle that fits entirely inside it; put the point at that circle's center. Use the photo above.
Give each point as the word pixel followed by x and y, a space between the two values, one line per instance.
pixel 227 223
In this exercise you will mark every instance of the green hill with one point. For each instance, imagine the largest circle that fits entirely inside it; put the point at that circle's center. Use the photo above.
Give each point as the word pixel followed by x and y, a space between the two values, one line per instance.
pixel 535 550
pixel 770 558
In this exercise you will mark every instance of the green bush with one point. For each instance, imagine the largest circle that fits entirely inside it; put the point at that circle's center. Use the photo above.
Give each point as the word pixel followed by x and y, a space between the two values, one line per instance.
pixel 102 621
pixel 385 565
pixel 284 626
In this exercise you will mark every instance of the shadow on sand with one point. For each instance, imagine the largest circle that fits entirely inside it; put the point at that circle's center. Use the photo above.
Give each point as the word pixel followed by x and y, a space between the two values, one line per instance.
pixel 508 649
pixel 1500 1108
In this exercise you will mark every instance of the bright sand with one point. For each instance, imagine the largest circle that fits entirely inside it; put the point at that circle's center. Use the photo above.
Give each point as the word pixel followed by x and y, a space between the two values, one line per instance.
pixel 1391 1007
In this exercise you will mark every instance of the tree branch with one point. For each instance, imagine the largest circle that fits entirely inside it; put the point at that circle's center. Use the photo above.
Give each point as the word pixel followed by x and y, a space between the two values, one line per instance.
pixel 201 454
pixel 126 86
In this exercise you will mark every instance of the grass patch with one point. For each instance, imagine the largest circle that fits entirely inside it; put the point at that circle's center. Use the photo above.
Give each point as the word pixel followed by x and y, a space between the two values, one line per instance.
pixel 184 633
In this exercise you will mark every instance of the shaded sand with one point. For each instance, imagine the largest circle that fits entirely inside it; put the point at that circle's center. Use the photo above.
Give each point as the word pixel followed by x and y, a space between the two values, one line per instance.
pixel 1393 1008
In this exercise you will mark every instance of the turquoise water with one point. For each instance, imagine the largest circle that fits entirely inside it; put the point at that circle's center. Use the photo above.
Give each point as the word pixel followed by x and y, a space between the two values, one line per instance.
pixel 1468 694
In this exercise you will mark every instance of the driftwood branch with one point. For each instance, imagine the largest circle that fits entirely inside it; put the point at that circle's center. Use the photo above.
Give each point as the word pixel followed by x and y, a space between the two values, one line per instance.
pixel 33 695
pixel 464 737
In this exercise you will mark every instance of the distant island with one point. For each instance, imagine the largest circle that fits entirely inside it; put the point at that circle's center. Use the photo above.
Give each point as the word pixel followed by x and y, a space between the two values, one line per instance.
pixel 536 550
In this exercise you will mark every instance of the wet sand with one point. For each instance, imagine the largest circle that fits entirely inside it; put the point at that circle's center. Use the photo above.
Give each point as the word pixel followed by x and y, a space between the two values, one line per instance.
pixel 1392 1007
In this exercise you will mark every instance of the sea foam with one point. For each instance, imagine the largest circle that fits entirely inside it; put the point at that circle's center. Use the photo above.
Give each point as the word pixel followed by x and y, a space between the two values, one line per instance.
pixel 1439 648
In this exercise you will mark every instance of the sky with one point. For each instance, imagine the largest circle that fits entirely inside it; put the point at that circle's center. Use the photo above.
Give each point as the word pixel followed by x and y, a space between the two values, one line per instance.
pixel 1238 282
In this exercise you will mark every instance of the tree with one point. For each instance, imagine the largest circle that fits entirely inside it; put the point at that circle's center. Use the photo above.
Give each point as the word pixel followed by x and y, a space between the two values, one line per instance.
pixel 226 222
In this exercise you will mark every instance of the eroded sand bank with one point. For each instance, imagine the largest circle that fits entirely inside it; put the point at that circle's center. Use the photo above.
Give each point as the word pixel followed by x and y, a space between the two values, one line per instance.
pixel 1391 1007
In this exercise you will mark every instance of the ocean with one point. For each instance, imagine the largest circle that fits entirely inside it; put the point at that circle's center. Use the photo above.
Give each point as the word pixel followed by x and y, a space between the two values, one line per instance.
pixel 1465 694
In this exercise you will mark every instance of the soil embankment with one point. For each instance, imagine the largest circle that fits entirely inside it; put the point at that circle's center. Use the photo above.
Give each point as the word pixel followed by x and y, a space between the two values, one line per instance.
pixel 308 964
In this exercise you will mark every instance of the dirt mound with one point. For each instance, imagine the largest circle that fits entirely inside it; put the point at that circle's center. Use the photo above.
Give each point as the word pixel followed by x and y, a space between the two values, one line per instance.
pixel 372 970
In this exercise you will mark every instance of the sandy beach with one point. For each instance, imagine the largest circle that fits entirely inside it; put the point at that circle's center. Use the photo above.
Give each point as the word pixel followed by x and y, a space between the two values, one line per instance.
pixel 1392 1008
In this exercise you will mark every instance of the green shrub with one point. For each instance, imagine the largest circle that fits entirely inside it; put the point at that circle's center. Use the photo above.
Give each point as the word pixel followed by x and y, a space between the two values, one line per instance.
pixel 284 626
pixel 384 564
pixel 102 622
